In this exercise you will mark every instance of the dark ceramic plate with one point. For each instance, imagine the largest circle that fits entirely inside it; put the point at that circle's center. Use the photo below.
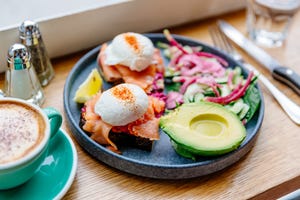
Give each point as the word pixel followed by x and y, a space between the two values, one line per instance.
pixel 162 162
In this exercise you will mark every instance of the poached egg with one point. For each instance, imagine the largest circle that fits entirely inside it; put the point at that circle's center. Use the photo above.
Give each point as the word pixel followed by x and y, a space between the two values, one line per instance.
pixel 122 104
pixel 130 49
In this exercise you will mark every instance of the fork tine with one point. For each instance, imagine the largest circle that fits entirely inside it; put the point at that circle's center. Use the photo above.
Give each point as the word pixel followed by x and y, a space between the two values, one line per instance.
pixel 214 37
pixel 213 30
pixel 227 43
pixel 220 40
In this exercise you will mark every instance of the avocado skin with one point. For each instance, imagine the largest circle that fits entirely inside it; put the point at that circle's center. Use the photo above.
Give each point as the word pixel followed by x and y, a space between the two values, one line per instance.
pixel 191 153
pixel 177 123
pixel 182 151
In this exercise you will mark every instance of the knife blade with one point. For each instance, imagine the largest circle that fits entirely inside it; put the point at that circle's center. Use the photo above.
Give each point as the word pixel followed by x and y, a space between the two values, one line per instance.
pixel 279 72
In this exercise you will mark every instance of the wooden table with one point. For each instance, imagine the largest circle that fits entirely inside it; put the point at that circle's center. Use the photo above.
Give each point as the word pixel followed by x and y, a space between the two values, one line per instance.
pixel 271 169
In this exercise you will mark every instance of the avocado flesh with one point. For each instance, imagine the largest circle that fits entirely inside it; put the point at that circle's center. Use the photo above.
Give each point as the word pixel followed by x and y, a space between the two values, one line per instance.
pixel 203 129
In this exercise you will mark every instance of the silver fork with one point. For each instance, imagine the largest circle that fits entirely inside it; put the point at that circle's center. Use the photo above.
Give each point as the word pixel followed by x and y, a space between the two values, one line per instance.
pixel 223 44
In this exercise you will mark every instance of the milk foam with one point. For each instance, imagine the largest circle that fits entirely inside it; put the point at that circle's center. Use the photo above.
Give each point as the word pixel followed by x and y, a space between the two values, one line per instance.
pixel 20 131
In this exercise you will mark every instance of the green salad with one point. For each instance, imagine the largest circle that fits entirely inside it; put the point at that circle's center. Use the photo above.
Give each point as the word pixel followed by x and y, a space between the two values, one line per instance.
pixel 193 75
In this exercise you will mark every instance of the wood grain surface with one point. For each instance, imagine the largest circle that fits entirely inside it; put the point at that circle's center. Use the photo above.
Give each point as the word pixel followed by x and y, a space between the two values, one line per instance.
pixel 271 169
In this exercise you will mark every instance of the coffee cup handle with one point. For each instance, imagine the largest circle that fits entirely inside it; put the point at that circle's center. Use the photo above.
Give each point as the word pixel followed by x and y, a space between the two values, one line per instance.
pixel 55 119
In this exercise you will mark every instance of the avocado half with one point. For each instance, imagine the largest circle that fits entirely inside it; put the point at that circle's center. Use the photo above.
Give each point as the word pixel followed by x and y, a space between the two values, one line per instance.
pixel 203 129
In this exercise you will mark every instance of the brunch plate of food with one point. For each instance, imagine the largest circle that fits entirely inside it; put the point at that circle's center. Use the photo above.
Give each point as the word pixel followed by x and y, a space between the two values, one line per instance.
pixel 163 106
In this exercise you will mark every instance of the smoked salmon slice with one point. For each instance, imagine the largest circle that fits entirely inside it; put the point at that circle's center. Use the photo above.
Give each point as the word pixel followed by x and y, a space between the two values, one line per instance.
pixel 110 73
pixel 117 73
pixel 145 127
pixel 93 123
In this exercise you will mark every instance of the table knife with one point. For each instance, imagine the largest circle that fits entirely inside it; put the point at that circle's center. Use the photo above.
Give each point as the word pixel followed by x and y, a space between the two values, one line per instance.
pixel 279 72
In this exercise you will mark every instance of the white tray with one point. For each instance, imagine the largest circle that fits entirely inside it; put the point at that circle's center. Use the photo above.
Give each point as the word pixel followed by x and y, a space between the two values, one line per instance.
pixel 70 26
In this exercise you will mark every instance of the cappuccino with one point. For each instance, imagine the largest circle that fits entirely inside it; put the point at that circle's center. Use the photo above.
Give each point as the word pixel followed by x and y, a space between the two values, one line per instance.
pixel 21 130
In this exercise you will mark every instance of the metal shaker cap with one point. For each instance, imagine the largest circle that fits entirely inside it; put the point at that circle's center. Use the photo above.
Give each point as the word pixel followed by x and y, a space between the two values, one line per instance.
pixel 18 57
pixel 29 33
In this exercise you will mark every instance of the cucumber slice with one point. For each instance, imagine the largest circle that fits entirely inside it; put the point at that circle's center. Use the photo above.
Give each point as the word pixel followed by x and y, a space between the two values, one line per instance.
pixel 198 97
pixel 222 80
pixel 244 111
pixel 237 78
pixel 225 90
pixel 236 107
pixel 191 91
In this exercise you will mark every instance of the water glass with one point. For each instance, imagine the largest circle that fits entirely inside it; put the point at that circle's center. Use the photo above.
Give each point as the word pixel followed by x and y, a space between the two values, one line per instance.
pixel 268 21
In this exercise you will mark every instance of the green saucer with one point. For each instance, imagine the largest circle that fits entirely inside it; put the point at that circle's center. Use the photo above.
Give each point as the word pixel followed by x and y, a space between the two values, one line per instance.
pixel 55 176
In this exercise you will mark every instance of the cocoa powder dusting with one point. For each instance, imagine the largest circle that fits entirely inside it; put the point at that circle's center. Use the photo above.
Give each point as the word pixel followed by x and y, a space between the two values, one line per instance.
pixel 21 130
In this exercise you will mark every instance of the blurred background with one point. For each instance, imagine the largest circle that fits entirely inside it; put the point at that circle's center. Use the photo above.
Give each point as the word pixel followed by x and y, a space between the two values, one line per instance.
pixel 71 26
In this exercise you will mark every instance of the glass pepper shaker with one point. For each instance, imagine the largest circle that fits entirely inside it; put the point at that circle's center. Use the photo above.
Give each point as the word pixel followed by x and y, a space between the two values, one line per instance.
pixel 21 80
pixel 31 37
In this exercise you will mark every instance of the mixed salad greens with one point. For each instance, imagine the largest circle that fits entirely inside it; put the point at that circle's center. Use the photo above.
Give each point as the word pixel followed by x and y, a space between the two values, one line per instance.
pixel 193 75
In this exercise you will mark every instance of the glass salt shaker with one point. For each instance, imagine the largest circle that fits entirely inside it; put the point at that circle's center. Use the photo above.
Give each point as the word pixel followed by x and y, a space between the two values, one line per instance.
pixel 31 37
pixel 21 80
